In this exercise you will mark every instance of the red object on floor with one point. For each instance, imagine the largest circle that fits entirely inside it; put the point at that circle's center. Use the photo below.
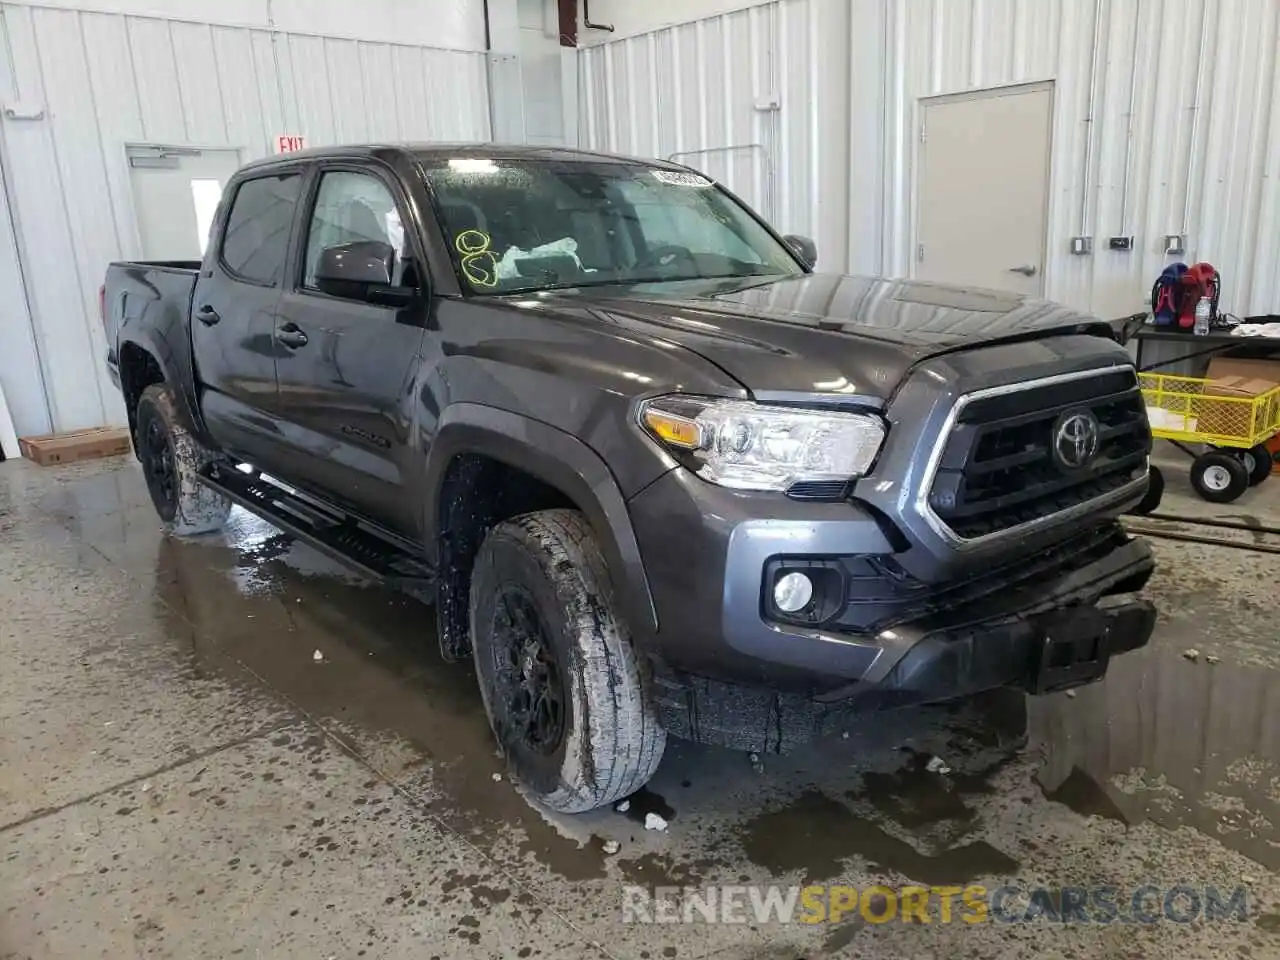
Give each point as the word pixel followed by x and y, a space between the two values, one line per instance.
pixel 1274 446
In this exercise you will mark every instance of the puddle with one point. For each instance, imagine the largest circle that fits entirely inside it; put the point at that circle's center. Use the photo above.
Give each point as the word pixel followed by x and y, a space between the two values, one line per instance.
pixel 815 833
pixel 1162 740
pixel 1171 742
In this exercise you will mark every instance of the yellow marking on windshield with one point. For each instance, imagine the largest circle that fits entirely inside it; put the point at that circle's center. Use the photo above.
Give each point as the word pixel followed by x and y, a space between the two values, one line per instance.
pixel 479 265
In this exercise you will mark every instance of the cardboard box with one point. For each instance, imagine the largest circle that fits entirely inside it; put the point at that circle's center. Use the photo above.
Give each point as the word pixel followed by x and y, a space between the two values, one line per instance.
pixel 1238 387
pixel 1237 383
pixel 1249 369
pixel 76 445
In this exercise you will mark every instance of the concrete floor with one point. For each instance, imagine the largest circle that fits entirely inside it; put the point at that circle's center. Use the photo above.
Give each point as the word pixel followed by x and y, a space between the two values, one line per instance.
pixel 180 778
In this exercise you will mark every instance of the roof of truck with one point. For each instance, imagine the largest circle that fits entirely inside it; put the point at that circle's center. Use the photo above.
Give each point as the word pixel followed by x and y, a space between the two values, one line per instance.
pixel 431 151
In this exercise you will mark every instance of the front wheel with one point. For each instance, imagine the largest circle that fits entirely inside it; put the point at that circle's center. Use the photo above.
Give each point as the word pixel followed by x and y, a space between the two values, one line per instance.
pixel 171 462
pixel 562 684
pixel 1219 477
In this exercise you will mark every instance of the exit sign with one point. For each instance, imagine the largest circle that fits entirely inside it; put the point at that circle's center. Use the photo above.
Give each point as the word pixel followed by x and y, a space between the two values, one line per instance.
pixel 289 142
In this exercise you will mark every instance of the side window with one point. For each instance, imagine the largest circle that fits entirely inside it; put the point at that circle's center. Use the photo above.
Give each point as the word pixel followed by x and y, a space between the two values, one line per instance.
pixel 351 207
pixel 256 239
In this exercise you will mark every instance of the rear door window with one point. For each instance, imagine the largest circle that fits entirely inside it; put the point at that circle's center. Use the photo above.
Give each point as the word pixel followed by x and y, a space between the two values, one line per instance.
pixel 256 241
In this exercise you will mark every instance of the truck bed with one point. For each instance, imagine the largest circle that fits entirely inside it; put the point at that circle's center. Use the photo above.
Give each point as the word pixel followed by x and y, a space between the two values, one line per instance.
pixel 146 294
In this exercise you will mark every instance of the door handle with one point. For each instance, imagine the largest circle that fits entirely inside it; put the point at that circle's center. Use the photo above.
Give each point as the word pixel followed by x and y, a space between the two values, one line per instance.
pixel 291 336
pixel 207 315
pixel 1027 269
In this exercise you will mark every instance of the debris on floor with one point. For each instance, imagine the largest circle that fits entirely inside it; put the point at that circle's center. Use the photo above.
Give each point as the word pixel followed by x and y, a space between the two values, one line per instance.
pixel 937 765
pixel 623 807
pixel 1192 654
pixel 497 778
pixel 611 847
pixel 318 657
pixel 653 821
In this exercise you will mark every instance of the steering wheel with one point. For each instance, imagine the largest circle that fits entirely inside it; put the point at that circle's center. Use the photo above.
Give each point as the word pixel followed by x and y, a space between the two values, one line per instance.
pixel 667 255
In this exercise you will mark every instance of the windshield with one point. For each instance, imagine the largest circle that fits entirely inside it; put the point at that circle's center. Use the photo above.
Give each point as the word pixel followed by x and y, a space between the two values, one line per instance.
pixel 516 225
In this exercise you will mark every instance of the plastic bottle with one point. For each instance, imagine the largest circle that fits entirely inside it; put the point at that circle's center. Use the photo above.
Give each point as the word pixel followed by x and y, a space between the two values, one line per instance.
pixel 1203 310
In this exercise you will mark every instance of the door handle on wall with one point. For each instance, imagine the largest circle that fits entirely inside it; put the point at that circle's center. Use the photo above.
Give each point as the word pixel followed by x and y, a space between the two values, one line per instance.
pixel 207 315
pixel 1027 269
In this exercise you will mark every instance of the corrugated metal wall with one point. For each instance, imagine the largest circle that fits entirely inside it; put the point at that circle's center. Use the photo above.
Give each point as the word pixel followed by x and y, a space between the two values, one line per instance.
pixel 104 80
pixel 1183 137
pixel 702 93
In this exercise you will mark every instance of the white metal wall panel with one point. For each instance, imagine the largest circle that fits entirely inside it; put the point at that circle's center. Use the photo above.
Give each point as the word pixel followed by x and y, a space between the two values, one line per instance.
pixel 104 80
pixel 1183 136
pixel 700 93
pixel 448 24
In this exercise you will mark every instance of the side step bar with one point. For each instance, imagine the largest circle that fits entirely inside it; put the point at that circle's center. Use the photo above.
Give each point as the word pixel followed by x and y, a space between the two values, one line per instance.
pixel 341 539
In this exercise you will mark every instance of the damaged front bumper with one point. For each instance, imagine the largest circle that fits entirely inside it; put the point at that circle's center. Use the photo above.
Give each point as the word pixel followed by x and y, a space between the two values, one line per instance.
pixel 1041 636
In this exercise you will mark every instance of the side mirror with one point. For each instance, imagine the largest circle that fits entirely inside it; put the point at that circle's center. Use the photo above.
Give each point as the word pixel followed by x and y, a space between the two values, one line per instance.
pixel 361 271
pixel 803 247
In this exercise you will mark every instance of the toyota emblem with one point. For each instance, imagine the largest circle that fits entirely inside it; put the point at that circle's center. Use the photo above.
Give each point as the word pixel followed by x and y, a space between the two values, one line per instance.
pixel 1075 439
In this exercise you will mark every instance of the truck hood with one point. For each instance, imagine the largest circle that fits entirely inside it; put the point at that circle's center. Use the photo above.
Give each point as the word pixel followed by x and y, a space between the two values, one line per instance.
pixel 820 333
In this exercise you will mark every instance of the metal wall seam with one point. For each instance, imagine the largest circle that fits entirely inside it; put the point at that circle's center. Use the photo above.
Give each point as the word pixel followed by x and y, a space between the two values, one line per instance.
pixel 102 80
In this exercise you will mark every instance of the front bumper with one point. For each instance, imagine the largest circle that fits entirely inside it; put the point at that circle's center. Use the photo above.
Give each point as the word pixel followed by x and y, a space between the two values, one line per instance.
pixel 1036 624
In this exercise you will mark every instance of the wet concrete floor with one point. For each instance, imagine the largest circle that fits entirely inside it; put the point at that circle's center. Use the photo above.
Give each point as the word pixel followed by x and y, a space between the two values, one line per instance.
pixel 181 777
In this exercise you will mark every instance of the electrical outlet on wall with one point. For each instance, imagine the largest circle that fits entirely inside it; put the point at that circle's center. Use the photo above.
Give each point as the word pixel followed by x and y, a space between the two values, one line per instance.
pixel 1120 243
pixel 1175 244
pixel 1081 246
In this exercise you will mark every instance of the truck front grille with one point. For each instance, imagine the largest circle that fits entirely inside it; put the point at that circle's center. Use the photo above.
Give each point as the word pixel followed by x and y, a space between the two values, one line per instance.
pixel 1013 457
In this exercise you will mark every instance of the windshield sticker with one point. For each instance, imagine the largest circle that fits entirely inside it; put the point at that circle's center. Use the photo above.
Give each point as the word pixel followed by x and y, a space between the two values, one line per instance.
pixel 479 265
pixel 679 179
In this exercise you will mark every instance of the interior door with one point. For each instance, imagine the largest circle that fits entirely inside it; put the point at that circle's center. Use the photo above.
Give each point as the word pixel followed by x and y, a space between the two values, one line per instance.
pixel 345 368
pixel 175 195
pixel 983 188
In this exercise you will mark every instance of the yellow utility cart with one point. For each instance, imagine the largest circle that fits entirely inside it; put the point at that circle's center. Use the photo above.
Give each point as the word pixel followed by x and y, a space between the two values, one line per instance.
pixel 1232 420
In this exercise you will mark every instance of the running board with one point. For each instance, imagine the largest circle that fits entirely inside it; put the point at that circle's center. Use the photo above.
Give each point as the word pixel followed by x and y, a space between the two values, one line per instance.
pixel 341 539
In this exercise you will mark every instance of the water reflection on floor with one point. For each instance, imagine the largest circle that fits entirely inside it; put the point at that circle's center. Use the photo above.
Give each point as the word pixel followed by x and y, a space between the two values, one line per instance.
pixel 1165 742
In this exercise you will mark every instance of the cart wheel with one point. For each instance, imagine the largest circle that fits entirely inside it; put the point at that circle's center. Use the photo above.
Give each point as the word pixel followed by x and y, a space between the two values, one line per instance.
pixel 1219 477
pixel 1258 462
pixel 1155 491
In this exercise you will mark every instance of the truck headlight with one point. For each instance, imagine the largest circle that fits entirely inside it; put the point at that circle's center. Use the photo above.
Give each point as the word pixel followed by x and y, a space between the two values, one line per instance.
pixel 750 446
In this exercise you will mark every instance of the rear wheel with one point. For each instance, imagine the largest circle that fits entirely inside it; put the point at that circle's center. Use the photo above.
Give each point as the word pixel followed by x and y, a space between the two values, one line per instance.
pixel 1219 477
pixel 561 681
pixel 171 461
pixel 1257 460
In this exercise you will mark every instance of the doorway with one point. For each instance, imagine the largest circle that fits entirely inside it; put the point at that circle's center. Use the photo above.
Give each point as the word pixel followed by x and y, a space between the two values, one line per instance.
pixel 175 193
pixel 983 188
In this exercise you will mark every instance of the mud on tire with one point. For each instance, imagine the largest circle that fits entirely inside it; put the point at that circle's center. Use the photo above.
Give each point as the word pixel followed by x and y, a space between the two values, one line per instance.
pixel 171 459
pixel 542 611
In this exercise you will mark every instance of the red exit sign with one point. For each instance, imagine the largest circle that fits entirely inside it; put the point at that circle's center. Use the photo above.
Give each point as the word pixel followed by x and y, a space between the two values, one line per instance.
pixel 290 142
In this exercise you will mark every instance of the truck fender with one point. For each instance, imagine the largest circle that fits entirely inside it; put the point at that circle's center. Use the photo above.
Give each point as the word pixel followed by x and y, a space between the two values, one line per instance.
pixel 560 460
pixel 173 371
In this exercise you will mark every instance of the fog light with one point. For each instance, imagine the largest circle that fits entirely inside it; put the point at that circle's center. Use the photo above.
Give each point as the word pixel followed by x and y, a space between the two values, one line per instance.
pixel 792 592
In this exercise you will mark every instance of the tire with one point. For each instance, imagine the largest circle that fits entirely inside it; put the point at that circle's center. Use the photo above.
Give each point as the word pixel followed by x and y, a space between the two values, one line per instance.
pixel 541 600
pixel 1258 462
pixel 1219 477
pixel 171 460
pixel 1155 492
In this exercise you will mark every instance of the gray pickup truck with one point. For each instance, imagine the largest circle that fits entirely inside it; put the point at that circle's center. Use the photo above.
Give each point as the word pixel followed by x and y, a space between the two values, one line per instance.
pixel 656 475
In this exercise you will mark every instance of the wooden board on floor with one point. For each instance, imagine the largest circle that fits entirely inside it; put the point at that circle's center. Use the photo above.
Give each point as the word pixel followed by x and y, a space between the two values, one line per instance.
pixel 75 445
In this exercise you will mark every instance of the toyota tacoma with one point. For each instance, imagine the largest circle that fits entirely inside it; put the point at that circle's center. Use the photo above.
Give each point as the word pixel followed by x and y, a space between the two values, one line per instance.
pixel 657 476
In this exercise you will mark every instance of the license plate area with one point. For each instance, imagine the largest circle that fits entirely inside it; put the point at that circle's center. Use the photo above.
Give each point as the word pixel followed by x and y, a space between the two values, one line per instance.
pixel 1074 649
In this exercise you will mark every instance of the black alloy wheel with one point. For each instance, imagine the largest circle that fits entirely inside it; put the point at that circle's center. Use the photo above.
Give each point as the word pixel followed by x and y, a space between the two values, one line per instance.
pixel 530 686
pixel 159 467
